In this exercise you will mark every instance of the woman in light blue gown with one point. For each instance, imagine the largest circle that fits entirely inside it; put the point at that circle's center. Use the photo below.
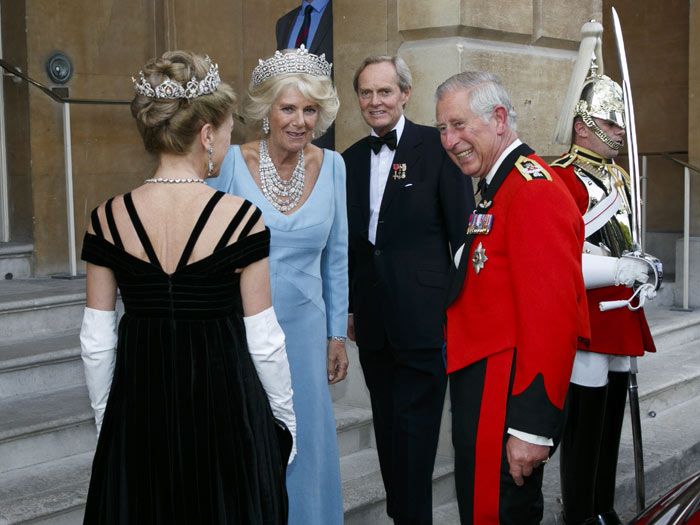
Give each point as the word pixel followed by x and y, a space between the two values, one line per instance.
pixel 301 192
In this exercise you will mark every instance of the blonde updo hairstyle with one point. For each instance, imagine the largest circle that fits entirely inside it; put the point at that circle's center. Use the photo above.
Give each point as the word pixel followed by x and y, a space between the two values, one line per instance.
pixel 172 125
pixel 319 90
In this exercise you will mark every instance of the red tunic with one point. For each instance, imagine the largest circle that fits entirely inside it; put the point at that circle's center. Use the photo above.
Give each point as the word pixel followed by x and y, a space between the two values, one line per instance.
pixel 529 295
pixel 615 332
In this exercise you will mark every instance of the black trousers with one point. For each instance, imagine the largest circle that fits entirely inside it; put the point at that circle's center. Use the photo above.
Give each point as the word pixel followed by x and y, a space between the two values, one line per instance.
pixel 589 448
pixel 486 492
pixel 407 390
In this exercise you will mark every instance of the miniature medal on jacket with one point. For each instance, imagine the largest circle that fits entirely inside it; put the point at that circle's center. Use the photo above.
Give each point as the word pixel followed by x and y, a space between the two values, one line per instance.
pixel 479 258
pixel 399 171
pixel 479 223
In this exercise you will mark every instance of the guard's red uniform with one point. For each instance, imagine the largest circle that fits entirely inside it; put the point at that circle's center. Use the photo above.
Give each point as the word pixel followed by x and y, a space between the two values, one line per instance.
pixel 520 319
pixel 615 332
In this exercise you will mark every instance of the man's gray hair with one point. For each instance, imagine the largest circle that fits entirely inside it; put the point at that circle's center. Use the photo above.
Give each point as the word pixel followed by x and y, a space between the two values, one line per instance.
pixel 486 92
pixel 402 72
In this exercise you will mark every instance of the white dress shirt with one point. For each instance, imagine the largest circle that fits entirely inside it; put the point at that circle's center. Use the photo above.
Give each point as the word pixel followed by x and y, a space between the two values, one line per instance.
pixel 379 169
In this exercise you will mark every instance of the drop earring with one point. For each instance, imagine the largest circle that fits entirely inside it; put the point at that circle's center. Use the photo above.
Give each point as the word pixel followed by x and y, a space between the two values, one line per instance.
pixel 210 162
pixel 266 126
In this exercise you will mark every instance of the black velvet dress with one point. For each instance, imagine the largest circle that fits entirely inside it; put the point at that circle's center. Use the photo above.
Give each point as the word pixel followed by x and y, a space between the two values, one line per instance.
pixel 188 436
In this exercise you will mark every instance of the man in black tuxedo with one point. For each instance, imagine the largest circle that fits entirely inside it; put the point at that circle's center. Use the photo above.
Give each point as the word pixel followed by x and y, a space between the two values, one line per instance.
pixel 408 206
pixel 310 24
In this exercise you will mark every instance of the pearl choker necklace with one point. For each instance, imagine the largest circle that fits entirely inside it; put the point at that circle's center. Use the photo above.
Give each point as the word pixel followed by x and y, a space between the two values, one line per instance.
pixel 163 180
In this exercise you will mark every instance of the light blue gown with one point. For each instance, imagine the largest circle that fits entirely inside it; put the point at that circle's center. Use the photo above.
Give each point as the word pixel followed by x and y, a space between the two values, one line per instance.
pixel 309 278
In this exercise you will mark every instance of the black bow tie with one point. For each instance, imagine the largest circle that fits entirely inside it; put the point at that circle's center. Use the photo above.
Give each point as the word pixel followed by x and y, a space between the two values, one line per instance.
pixel 375 143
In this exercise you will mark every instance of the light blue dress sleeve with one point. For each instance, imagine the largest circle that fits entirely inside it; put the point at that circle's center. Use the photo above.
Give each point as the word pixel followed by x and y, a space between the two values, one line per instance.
pixel 334 259
pixel 224 182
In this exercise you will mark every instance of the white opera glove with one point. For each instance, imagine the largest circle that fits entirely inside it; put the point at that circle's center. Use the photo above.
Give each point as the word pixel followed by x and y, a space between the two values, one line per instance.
pixel 98 343
pixel 267 348
pixel 601 270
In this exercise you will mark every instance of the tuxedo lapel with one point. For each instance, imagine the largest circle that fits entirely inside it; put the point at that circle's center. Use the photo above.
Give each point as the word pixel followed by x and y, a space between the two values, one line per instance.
pixel 363 175
pixel 408 154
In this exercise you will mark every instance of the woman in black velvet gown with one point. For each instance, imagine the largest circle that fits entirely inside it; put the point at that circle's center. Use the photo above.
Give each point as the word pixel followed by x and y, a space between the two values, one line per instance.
pixel 181 389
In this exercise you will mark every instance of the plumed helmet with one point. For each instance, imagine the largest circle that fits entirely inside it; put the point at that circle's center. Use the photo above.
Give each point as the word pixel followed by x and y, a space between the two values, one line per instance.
pixel 601 97
pixel 590 93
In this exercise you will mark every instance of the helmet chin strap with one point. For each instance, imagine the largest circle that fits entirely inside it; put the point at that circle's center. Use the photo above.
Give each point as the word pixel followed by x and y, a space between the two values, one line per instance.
pixel 595 128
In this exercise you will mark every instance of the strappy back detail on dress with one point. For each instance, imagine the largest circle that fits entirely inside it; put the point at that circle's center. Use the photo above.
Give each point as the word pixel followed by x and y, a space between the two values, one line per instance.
pixel 236 221
pixel 116 238
pixel 199 226
pixel 141 231
pixel 95 221
pixel 248 247
pixel 197 230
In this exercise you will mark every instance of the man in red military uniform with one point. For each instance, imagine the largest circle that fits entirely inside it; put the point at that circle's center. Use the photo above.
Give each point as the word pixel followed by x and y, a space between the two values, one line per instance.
pixel 594 116
pixel 516 307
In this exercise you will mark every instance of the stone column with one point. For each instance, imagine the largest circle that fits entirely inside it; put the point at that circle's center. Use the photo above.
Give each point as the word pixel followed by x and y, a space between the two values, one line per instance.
pixel 694 159
pixel 530 44
pixel 694 111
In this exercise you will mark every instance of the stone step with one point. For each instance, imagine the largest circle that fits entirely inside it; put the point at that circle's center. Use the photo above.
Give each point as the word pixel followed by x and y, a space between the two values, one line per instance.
pixel 40 307
pixel 15 260
pixel 39 429
pixel 668 377
pixel 364 499
pixel 45 427
pixel 354 429
pixel 671 443
pixel 52 492
pixel 447 514
pixel 673 328
pixel 40 365
pixel 672 452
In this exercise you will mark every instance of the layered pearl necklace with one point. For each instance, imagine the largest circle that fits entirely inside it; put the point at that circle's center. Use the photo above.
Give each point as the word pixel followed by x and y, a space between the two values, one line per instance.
pixel 163 180
pixel 284 195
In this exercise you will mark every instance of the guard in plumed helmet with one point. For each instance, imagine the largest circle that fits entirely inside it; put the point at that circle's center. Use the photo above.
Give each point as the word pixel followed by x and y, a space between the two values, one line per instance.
pixel 592 123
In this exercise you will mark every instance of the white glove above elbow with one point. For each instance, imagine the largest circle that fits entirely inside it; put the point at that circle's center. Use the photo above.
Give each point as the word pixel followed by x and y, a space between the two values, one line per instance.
pixel 98 342
pixel 266 345
pixel 601 270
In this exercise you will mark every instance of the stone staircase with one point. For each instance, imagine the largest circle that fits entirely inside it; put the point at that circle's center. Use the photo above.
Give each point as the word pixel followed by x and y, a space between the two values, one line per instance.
pixel 47 436
pixel 15 260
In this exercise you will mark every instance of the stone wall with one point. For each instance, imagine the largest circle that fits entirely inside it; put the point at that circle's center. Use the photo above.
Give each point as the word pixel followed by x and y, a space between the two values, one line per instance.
pixel 107 42
pixel 694 110
pixel 658 65
pixel 15 93
pixel 531 44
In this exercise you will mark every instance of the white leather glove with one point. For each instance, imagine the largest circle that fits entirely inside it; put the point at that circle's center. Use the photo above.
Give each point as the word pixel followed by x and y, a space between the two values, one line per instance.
pixel 630 271
pixel 98 343
pixel 600 271
pixel 267 348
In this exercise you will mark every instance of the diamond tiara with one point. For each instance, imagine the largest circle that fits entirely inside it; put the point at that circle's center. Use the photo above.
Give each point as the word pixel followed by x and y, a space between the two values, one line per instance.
pixel 297 61
pixel 169 89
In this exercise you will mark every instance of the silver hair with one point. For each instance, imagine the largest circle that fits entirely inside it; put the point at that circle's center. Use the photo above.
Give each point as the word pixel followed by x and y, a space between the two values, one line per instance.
pixel 402 71
pixel 486 92
pixel 319 90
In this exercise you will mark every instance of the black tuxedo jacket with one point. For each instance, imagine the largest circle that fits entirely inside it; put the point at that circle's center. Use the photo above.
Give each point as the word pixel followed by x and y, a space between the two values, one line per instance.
pixel 323 39
pixel 398 285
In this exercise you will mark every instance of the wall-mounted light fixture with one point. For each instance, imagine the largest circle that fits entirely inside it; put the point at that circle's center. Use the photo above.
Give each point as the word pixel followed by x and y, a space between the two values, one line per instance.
pixel 59 68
